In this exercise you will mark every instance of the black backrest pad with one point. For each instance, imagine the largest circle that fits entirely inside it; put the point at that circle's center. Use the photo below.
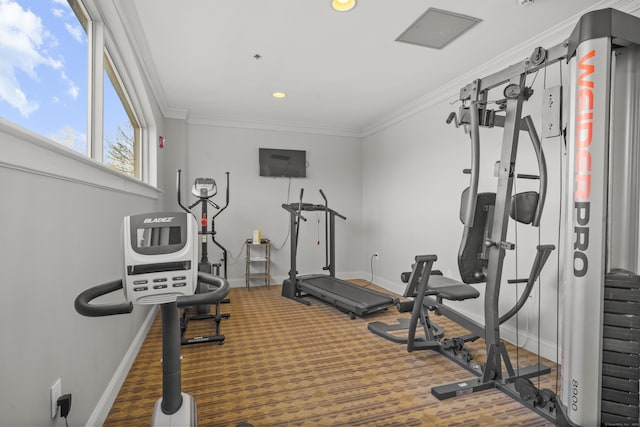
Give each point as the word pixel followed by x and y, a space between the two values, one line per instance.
pixel 470 260
pixel 524 206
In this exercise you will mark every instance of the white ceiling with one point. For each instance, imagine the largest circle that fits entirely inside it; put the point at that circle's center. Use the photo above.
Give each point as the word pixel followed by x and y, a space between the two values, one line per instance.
pixel 342 72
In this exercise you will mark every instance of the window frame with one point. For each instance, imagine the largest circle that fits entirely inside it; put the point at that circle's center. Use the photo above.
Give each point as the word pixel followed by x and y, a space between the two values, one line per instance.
pixel 104 55
pixel 118 85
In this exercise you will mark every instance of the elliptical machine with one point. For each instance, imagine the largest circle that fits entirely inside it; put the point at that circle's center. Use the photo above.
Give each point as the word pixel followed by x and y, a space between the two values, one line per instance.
pixel 159 269
pixel 204 189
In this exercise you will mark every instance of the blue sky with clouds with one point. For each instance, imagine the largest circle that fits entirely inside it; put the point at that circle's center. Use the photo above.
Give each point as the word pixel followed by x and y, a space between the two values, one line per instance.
pixel 44 69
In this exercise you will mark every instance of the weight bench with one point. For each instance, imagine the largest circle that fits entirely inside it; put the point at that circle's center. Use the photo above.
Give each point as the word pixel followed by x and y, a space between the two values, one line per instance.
pixel 421 282
pixel 429 288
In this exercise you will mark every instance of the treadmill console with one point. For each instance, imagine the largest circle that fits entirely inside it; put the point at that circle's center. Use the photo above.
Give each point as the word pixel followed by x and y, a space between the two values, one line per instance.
pixel 204 188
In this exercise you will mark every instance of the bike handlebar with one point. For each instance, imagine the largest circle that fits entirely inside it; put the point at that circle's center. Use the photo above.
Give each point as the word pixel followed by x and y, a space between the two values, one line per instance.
pixel 84 307
pixel 83 301
pixel 210 297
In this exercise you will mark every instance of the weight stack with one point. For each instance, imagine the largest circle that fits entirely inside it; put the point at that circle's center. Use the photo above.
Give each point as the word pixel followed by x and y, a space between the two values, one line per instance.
pixel 621 349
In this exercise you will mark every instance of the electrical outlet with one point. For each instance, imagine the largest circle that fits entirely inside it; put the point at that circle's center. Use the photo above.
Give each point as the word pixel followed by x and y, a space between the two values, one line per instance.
pixel 55 391
pixel 376 255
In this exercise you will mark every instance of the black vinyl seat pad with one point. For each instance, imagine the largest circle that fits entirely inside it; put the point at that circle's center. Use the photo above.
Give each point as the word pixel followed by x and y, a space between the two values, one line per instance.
pixel 451 289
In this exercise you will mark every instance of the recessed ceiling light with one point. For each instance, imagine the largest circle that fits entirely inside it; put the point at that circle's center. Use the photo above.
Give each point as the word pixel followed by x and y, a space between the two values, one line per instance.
pixel 279 95
pixel 343 5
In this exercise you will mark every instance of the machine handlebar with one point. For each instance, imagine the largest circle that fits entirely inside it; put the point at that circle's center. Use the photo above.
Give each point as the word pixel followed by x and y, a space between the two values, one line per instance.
pixel 324 197
pixel 470 208
pixel 83 301
pixel 542 168
pixel 337 214
pixel 178 185
pixel 84 307
pixel 226 201
pixel 294 210
pixel 211 297
pixel 200 199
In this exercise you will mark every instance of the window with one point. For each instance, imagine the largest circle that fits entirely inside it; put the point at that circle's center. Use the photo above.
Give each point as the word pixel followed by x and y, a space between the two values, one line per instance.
pixel 50 86
pixel 43 75
pixel 121 146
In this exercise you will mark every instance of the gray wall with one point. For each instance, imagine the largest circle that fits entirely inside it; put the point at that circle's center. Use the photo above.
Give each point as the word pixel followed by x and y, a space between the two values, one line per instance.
pixel 61 218
pixel 61 221
pixel 334 165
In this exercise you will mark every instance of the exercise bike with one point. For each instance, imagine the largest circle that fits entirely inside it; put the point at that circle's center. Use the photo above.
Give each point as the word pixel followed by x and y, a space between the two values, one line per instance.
pixel 159 269
pixel 204 189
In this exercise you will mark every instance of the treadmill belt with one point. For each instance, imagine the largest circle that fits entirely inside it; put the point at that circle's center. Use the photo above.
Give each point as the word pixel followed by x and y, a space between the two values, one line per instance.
pixel 345 295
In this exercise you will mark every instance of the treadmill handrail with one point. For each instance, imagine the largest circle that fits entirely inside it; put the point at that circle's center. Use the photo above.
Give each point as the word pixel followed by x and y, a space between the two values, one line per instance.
pixel 293 211
pixel 337 214
pixel 293 207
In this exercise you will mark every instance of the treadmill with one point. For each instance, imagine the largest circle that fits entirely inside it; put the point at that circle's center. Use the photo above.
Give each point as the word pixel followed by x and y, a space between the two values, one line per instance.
pixel 347 297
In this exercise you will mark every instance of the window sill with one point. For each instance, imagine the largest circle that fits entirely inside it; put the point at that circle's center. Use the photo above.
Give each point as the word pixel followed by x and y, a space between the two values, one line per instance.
pixel 32 153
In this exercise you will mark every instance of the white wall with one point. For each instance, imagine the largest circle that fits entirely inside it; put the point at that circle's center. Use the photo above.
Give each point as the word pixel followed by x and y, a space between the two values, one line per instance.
pixel 60 219
pixel 334 165
pixel 172 157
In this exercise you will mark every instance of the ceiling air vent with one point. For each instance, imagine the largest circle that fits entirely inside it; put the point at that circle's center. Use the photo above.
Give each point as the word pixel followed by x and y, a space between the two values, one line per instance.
pixel 436 28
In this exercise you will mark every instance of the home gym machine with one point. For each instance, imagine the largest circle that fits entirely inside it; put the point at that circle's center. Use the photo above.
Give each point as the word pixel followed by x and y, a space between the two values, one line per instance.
pixel 601 303
pixel 601 207
pixel 483 246
pixel 204 189
pixel 352 299
pixel 159 269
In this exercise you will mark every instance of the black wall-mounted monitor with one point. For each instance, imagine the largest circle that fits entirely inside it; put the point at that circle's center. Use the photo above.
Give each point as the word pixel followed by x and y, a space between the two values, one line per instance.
pixel 283 163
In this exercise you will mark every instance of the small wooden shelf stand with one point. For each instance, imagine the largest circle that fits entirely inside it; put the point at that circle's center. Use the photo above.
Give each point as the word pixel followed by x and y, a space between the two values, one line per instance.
pixel 259 257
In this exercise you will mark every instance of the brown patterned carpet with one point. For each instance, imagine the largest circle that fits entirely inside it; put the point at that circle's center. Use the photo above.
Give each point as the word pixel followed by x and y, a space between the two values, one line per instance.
pixel 284 363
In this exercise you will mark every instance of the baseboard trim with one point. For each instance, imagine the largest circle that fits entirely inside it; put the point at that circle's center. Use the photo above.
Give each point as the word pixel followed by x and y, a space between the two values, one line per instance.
pixel 101 411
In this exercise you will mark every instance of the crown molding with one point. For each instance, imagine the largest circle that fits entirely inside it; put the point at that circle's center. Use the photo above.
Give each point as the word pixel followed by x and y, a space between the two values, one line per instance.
pixel 449 92
pixel 283 126
pixel 128 14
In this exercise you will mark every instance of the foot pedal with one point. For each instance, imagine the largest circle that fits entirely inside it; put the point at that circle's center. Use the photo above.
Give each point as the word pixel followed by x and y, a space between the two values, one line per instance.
pixel 405 306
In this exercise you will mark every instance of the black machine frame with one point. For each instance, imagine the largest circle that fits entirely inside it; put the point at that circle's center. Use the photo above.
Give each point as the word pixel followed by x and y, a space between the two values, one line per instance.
pixel 609 28
pixel 174 406
pixel 348 297
pixel 619 29
pixel 203 311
